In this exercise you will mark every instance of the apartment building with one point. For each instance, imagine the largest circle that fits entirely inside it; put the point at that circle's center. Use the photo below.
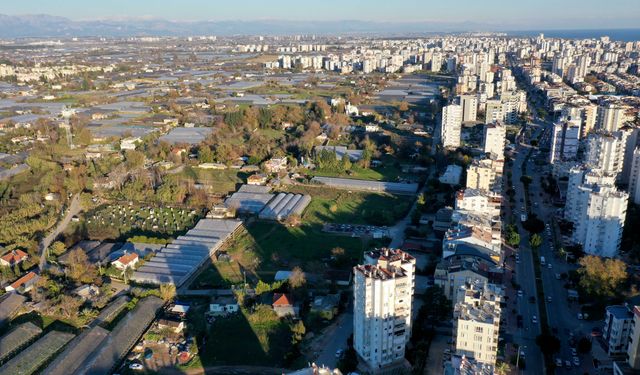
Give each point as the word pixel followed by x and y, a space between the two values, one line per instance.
pixel 617 326
pixel 477 322
pixel 597 209
pixel 451 126
pixel 469 105
pixel 494 139
pixel 383 298
pixel 482 174
pixel 565 138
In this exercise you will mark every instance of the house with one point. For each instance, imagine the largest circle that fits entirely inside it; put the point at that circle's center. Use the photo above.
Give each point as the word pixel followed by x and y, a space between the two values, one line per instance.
pixel 223 305
pixel 257 179
pixel 275 165
pixel 87 292
pixel 14 257
pixel 130 143
pixel 326 306
pixel 179 309
pixel 128 260
pixel 175 325
pixel 283 305
pixel 23 284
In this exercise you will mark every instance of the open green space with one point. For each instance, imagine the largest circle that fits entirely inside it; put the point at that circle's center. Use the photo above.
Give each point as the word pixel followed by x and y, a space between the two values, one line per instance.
pixel 218 181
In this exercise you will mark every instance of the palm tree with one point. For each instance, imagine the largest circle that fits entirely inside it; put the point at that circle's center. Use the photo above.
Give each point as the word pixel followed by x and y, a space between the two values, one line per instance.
pixel 502 368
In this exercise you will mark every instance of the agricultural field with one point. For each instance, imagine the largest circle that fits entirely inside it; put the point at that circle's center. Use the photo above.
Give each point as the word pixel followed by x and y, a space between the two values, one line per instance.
pixel 217 181
pixel 126 221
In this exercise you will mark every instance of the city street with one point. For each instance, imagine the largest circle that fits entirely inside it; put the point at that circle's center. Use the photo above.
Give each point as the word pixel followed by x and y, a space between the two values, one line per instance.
pixel 561 313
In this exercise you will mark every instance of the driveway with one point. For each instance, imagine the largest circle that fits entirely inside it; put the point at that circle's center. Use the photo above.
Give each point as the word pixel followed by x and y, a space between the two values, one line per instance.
pixel 74 209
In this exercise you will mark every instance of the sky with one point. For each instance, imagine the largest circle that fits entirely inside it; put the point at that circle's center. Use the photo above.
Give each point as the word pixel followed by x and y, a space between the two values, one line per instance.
pixel 521 14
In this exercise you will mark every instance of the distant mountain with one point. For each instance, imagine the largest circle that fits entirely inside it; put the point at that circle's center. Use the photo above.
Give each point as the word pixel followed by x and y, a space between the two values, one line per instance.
pixel 52 26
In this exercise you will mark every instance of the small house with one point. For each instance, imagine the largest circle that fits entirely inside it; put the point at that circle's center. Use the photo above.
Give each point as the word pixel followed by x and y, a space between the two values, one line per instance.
pixel 223 305
pixel 23 284
pixel 173 324
pixel 275 165
pixel 257 179
pixel 283 305
pixel 128 260
pixel 13 258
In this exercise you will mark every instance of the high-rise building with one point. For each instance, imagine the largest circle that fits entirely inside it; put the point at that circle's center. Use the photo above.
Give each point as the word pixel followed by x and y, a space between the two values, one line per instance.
pixel 633 351
pixel 383 298
pixel 564 141
pixel 493 141
pixel 617 325
pixel 469 105
pixel 477 322
pixel 606 151
pixel 634 177
pixel 597 209
pixel 611 117
pixel 451 126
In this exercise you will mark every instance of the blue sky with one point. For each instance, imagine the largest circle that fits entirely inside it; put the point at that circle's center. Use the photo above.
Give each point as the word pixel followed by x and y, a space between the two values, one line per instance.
pixel 537 14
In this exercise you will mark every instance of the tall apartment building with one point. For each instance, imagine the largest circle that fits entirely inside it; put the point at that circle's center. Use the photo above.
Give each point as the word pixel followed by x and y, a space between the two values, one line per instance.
pixel 493 112
pixel 597 209
pixel 383 298
pixel 481 174
pixel 469 105
pixel 633 350
pixel 634 177
pixel 494 139
pixel 477 322
pixel 451 126
pixel 611 117
pixel 617 325
pixel 606 151
pixel 564 141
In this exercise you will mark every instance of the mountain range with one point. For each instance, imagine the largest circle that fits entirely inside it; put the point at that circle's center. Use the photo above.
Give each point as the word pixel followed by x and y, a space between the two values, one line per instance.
pixel 41 25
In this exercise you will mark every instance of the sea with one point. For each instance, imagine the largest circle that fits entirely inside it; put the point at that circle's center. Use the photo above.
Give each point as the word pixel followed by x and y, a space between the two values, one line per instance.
pixel 624 35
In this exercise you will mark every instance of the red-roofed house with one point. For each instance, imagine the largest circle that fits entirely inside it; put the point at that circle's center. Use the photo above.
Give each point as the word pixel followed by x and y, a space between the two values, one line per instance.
pixel 23 284
pixel 283 305
pixel 14 257
pixel 126 261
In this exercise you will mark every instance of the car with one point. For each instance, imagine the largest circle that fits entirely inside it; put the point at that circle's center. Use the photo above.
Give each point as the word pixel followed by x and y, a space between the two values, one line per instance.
pixel 520 294
pixel 576 361
pixel 580 316
pixel 549 299
pixel 339 353
pixel 574 352
pixel 558 362
pixel 558 277
pixel 549 266
pixel 567 364
pixel 534 319
pixel 517 259
pixel 135 366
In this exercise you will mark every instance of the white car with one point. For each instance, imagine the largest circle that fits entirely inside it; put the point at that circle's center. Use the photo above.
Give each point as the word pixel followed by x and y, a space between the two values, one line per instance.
pixel 574 352
pixel 520 294
pixel 135 366
pixel 534 319
pixel 576 361
pixel 549 266
pixel 579 316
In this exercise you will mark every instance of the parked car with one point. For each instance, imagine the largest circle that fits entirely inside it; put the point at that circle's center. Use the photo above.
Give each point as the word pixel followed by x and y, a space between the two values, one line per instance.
pixel 576 361
pixel 567 364
pixel 534 319
pixel 339 353
pixel 135 366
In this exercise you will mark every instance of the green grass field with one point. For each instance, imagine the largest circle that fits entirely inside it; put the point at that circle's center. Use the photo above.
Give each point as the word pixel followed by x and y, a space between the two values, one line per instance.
pixel 220 181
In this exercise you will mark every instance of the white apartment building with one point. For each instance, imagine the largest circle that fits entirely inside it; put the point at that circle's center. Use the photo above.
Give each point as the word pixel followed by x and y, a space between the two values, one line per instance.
pixel 633 350
pixel 451 126
pixel 565 138
pixel 617 326
pixel 474 200
pixel 481 175
pixel 598 211
pixel 493 141
pixel 477 322
pixel 469 105
pixel 611 117
pixel 606 151
pixel 383 298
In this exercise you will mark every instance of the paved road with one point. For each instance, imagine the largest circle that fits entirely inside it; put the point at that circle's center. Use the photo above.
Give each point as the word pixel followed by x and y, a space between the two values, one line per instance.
pixel 337 340
pixel 74 209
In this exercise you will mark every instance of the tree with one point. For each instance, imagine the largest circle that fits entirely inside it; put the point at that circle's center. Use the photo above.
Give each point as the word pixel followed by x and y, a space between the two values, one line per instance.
pixel 79 269
pixel 513 237
pixel 601 278
pixel 204 154
pixel 167 292
pixel 297 278
pixel 134 159
pixel 535 240
pixel 502 368
pixel 298 331
pixel 437 307
pixel 57 248
pixel 403 106
pixel 548 343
